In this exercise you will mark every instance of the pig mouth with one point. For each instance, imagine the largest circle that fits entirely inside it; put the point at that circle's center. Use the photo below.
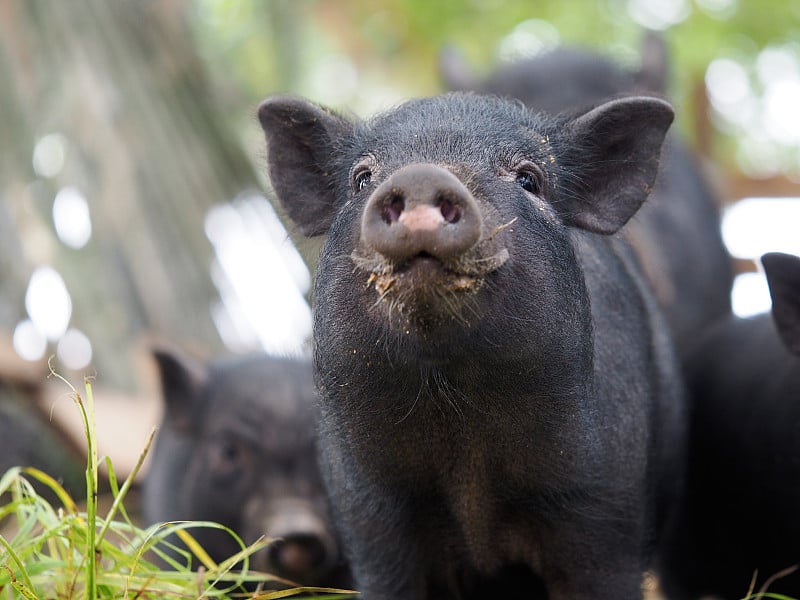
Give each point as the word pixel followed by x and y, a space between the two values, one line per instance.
pixel 425 289
pixel 425 271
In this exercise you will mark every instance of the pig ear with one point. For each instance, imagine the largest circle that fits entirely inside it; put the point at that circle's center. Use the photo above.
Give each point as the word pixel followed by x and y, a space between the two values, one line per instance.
pixel 182 383
pixel 783 276
pixel 300 140
pixel 454 70
pixel 611 161
pixel 653 75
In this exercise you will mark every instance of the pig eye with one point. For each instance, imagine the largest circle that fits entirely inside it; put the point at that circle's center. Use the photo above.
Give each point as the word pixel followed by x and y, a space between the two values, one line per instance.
pixel 529 181
pixel 361 179
pixel 230 451
pixel 362 172
pixel 227 455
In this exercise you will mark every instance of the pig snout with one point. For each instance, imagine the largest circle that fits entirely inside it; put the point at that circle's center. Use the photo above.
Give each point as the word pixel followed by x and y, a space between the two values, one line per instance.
pixel 421 209
pixel 302 556
pixel 305 549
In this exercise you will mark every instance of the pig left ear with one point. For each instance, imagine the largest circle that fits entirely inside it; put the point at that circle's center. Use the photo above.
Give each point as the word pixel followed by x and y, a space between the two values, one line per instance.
pixel 783 277
pixel 610 161
pixel 301 138
pixel 182 381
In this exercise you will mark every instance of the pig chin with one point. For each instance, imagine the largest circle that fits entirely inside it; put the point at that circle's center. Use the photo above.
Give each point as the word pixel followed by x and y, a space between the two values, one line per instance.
pixel 424 292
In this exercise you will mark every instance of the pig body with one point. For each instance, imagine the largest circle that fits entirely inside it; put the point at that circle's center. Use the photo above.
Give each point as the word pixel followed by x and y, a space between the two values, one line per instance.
pixel 499 400
pixel 676 236
pixel 238 446
pixel 744 456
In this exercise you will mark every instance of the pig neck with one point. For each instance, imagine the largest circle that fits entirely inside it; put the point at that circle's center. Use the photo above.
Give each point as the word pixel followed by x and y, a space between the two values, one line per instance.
pixel 428 415
pixel 509 378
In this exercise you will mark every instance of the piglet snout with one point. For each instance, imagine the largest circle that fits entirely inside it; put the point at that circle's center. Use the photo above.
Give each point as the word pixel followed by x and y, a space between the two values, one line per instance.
pixel 421 209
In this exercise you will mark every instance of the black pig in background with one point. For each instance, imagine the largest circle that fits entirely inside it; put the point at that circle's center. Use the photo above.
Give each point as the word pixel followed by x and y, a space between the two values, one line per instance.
pixel 743 490
pixel 676 235
pixel 501 407
pixel 237 446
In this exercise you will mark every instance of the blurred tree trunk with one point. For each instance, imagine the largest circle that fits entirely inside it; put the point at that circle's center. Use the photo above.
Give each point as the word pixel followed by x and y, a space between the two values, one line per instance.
pixel 122 83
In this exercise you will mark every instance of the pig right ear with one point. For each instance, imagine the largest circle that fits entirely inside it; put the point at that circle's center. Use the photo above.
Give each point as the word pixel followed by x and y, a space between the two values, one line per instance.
pixel 182 383
pixel 610 162
pixel 300 141
pixel 783 277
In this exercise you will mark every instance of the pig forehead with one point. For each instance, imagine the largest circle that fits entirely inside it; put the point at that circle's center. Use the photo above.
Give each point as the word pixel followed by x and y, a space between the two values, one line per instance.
pixel 275 400
pixel 455 124
pixel 253 401
pixel 458 151
pixel 443 145
pixel 261 423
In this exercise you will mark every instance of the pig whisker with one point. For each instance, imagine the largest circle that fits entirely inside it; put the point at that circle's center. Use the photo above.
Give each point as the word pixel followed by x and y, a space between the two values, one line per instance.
pixel 447 392
pixel 452 308
pixel 445 385
pixel 476 266
pixel 413 406
pixel 381 298
pixel 500 228
pixel 472 306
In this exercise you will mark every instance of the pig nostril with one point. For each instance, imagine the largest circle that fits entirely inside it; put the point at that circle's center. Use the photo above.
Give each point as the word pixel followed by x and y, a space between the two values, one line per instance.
pixel 392 210
pixel 450 212
pixel 298 554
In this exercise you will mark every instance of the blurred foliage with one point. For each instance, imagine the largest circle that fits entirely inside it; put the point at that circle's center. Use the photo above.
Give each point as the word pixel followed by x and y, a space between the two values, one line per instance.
pixel 365 55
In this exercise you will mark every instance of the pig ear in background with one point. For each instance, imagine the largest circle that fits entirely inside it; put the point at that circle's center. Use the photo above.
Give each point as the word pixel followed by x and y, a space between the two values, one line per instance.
pixel 653 75
pixel 783 276
pixel 300 138
pixel 455 71
pixel 182 382
pixel 611 158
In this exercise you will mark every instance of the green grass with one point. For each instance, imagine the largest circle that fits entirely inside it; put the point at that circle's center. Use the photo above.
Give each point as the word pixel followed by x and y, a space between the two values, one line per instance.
pixel 763 594
pixel 61 552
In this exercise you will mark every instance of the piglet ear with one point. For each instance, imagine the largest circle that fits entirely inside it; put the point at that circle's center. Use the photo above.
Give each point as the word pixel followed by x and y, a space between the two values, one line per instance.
pixel 182 382
pixel 653 75
pixel 610 162
pixel 783 277
pixel 300 141
pixel 455 71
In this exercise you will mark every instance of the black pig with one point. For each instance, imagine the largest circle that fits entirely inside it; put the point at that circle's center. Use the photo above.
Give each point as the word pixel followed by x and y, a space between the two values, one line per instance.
pixel 499 406
pixel 743 492
pixel 676 235
pixel 238 446
pixel 563 78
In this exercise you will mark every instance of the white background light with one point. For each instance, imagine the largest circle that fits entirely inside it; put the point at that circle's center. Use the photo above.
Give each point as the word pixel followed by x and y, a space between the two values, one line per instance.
pixel 658 14
pixel 29 342
pixel 74 350
pixel 751 228
pixel 528 39
pixel 71 217
pixel 48 155
pixel 260 276
pixel 750 295
pixel 755 226
pixel 48 303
